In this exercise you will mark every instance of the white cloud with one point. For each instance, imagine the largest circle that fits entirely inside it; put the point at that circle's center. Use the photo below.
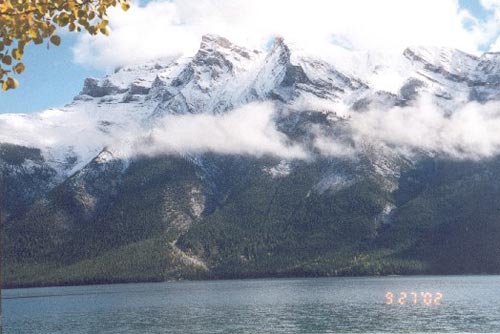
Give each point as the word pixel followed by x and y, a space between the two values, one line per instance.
pixel 470 132
pixel 491 5
pixel 52 129
pixel 488 26
pixel 249 130
pixel 333 147
pixel 163 28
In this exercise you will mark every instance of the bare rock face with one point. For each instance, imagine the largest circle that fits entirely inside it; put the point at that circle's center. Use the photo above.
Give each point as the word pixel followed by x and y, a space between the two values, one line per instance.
pixel 411 89
pixel 97 88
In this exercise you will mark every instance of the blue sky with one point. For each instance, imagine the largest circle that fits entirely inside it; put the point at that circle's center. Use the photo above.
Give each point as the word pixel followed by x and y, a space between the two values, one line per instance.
pixel 52 78
pixel 474 7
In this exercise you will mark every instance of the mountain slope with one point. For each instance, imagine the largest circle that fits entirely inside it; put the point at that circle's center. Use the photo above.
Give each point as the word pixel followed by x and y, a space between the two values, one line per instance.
pixel 177 169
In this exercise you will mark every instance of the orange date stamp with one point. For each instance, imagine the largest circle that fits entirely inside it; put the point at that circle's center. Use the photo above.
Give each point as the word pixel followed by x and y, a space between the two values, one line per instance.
pixel 413 298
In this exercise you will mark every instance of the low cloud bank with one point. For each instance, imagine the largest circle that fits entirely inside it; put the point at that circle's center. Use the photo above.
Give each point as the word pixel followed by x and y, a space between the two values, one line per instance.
pixel 249 130
pixel 470 132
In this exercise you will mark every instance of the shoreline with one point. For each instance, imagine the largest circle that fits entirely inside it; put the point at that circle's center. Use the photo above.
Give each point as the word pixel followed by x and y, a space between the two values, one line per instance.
pixel 117 282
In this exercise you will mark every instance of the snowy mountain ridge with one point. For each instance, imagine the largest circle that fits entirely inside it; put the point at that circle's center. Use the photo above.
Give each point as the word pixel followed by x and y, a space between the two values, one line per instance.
pixel 223 76
pixel 243 163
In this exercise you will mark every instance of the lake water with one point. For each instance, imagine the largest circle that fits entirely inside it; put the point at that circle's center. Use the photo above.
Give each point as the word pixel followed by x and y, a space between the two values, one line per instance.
pixel 458 304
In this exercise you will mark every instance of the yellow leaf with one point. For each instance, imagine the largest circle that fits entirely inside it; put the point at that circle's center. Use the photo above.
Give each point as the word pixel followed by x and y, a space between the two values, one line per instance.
pixel 17 54
pixel 63 20
pixel 7 60
pixel 104 31
pixel 12 83
pixel 20 45
pixel 36 21
pixel 19 68
pixel 103 24
pixel 92 30
pixel 56 40
pixel 33 33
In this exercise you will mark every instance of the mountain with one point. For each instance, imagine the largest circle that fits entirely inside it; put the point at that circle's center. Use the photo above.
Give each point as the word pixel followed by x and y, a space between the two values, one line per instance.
pixel 247 163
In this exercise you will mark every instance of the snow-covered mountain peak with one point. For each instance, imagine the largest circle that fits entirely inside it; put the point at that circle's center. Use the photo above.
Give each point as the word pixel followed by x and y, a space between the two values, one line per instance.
pixel 279 74
pixel 217 44
pixel 126 84
pixel 215 80
pixel 488 65
pixel 218 56
pixel 223 76
pixel 451 63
